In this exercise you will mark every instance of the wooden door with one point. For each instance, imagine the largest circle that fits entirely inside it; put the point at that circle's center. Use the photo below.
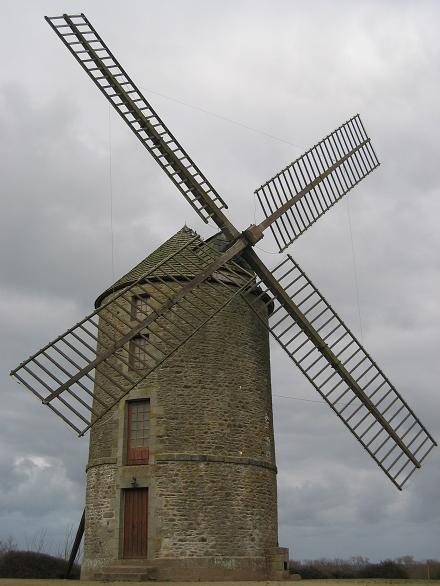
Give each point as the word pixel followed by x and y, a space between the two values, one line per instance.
pixel 135 523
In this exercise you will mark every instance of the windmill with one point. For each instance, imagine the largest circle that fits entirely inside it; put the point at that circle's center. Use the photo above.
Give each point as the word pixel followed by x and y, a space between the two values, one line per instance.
pixel 85 373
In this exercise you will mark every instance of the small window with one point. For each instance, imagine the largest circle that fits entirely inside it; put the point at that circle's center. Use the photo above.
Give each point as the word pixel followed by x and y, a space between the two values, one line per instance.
pixel 140 308
pixel 140 359
pixel 138 432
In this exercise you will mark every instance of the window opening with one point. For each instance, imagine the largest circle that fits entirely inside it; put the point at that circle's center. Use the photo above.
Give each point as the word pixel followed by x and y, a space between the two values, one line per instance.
pixel 139 357
pixel 138 352
pixel 140 307
pixel 138 432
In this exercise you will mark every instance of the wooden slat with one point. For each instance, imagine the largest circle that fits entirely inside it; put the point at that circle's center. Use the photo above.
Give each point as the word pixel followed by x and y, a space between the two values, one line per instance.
pixel 341 370
pixel 307 188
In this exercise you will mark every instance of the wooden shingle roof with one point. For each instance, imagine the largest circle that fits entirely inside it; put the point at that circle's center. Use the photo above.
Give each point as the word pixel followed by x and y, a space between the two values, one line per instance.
pixel 146 266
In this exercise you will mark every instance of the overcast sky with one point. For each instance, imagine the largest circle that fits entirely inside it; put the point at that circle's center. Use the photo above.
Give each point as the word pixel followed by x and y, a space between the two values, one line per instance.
pixel 224 75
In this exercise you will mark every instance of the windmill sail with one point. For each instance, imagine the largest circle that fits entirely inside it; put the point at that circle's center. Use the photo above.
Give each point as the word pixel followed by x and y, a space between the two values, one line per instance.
pixel 97 60
pixel 302 192
pixel 84 372
pixel 345 375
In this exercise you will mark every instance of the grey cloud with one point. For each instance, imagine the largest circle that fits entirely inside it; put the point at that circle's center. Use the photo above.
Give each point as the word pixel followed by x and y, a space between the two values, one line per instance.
pixel 296 72
pixel 22 492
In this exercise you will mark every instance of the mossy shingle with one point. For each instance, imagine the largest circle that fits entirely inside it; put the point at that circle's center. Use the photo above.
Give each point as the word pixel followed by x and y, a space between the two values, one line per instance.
pixel 147 266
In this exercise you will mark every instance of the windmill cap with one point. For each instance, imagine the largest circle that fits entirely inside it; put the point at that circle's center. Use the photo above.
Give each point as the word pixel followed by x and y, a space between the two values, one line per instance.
pixel 146 266
pixel 173 267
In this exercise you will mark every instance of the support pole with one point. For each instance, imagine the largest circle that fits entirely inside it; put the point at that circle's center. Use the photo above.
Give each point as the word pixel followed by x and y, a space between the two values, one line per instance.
pixel 75 546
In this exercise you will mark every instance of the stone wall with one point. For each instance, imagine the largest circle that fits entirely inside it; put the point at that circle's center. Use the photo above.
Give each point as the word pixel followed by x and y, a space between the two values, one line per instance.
pixel 212 475
pixel 214 509
pixel 100 534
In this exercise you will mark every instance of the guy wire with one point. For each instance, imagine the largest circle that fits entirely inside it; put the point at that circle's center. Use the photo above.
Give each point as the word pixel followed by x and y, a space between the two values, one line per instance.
pixel 110 180
pixel 355 272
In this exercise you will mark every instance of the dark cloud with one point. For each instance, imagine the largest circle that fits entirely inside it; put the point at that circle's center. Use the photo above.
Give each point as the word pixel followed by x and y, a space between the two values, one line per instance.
pixel 295 71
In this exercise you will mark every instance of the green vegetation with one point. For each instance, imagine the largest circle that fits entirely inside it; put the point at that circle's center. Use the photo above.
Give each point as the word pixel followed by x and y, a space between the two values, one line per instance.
pixel 403 568
pixel 31 564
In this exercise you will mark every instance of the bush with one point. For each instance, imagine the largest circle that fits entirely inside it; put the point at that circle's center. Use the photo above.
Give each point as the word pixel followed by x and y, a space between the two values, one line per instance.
pixel 385 569
pixel 31 564
pixel 324 569
pixel 434 569
pixel 307 571
pixel 360 567
pixel 7 544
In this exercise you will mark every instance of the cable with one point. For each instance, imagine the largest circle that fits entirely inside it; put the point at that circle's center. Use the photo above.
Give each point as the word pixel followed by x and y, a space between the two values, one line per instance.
pixel 356 281
pixel 231 121
pixel 225 118
pixel 305 400
pixel 298 399
pixel 267 251
pixel 110 180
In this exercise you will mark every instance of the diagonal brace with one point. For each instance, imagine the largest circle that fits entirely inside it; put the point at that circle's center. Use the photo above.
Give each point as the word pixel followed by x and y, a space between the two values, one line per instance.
pixel 217 215
pixel 215 265
pixel 288 204
pixel 284 299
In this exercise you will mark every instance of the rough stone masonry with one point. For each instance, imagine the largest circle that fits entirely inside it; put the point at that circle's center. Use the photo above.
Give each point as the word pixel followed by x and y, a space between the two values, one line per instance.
pixel 211 474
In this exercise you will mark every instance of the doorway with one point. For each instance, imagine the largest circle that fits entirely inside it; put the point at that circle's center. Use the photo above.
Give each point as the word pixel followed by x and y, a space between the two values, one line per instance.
pixel 135 535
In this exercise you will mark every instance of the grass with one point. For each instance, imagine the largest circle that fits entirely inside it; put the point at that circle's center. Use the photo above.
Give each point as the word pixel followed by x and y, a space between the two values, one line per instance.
pixel 348 582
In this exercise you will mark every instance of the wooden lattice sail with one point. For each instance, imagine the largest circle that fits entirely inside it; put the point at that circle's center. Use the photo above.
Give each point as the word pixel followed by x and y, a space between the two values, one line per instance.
pixel 63 373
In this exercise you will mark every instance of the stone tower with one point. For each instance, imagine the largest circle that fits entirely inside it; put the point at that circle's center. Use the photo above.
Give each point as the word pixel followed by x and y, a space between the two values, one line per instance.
pixel 181 477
